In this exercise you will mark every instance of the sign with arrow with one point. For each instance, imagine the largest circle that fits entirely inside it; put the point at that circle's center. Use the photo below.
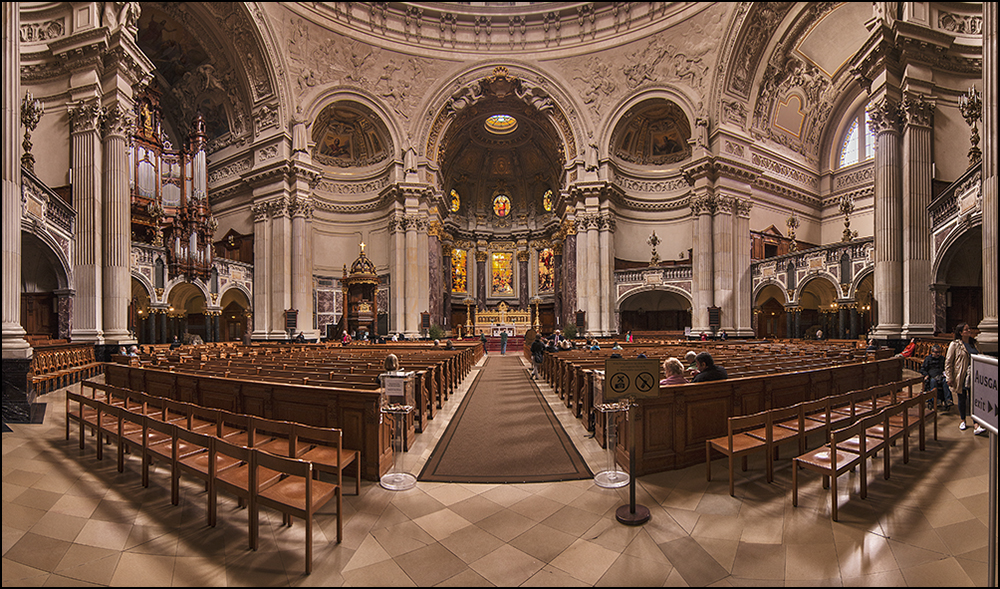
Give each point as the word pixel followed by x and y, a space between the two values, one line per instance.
pixel 639 378
pixel 984 391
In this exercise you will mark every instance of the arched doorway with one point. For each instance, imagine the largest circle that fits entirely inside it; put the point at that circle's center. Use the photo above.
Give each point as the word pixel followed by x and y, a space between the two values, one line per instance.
pixel 769 308
pixel 235 318
pixel 186 314
pixel 141 319
pixel 818 308
pixel 959 278
pixel 654 310
pixel 43 285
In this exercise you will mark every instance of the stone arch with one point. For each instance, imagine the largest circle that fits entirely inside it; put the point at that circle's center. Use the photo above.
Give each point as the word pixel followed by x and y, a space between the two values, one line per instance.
pixel 768 287
pixel 541 89
pixel 663 314
pixel 627 106
pixel 49 249
pixel 829 283
pixel 182 283
pixel 329 97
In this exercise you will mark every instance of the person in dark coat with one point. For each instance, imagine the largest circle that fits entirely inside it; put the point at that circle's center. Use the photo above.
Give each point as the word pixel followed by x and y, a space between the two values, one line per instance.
pixel 933 371
pixel 707 370
pixel 537 354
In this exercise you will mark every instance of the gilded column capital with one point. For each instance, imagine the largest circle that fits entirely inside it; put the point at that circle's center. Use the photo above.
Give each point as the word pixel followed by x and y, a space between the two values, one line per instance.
pixel 481 256
pixel 523 256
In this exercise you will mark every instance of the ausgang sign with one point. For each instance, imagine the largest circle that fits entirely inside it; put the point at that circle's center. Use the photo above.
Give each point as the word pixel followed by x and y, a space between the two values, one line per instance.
pixel 639 378
pixel 984 391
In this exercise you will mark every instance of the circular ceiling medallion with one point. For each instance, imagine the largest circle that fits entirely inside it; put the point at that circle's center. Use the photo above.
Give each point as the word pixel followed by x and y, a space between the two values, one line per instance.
pixel 501 124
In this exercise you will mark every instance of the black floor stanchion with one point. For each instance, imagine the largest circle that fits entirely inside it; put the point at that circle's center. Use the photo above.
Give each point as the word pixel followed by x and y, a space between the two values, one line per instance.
pixel 632 514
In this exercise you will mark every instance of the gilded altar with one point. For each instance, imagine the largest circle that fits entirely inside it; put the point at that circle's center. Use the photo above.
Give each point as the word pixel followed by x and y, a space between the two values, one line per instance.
pixel 502 319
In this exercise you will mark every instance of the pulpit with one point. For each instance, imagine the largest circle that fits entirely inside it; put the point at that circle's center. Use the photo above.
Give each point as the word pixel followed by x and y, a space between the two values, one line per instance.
pixel 360 303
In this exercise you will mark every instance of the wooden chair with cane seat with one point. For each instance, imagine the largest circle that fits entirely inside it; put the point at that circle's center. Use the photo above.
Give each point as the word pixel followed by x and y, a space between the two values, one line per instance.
pixel 832 460
pixel 296 494
pixel 737 443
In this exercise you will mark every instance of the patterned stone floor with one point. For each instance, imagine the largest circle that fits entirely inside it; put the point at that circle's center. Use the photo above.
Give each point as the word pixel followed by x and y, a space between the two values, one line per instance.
pixel 71 520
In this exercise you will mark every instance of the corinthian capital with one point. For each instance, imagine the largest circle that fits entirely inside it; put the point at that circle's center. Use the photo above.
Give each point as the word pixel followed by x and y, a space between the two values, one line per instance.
pixel 116 121
pixel 85 115
pixel 918 111
pixel 885 115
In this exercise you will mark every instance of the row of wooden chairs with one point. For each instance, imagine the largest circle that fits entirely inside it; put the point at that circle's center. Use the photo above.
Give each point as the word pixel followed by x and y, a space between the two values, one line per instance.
pixel 850 447
pixel 262 462
pixel 57 367
pixel 766 431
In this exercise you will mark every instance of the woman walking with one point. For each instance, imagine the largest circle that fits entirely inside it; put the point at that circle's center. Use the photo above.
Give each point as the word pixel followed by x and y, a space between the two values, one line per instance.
pixel 957 363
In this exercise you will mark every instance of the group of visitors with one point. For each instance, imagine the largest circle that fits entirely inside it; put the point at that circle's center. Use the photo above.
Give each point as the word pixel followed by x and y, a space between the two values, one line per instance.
pixel 701 368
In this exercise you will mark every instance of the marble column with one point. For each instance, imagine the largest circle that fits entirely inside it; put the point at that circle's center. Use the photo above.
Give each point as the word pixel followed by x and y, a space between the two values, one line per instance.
pixel 261 274
pixel 918 312
pixel 397 276
pixel 117 234
pixel 482 278
pixel 88 247
pixel 523 257
pixel 885 121
pixel 280 260
pixel 988 326
pixel 412 286
pixel 606 223
pixel 742 280
pixel 557 282
pixel 15 347
pixel 592 287
pixel 436 287
pixel 723 272
pixel 702 287
pixel 570 261
pixel 302 273
pixel 583 273
pixel 16 352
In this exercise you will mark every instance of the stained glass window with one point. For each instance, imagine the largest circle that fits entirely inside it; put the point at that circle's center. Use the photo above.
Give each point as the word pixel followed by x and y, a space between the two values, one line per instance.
pixel 456 201
pixel 547 201
pixel 859 141
pixel 501 205
pixel 459 279
pixel 502 270
pixel 546 271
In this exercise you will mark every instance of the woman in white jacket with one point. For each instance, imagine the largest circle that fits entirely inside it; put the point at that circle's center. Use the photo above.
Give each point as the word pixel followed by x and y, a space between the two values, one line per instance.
pixel 956 368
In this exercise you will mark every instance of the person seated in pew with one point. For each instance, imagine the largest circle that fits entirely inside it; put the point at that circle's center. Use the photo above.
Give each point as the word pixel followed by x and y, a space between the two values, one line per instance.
pixel 301 338
pixel 707 370
pixel 175 344
pixel 134 351
pixel 689 361
pixel 566 344
pixel 674 371
pixel 594 346
pixel 933 371
pixel 909 349
pixel 448 345
pixel 617 346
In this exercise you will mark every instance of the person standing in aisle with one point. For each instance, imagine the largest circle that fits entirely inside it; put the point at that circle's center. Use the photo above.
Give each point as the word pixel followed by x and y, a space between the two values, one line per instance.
pixel 957 363
pixel 503 343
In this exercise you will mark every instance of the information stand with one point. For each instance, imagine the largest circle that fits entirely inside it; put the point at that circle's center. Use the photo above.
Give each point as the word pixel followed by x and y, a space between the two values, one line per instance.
pixel 612 477
pixel 397 479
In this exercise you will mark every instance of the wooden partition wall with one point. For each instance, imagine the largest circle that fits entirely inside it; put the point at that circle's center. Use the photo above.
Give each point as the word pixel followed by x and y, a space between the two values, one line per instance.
pixel 671 430
pixel 356 412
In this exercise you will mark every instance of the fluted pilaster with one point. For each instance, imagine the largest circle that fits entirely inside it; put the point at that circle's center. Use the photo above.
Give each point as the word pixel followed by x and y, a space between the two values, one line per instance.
pixel 116 277
pixel 14 344
pixel 87 195
pixel 885 119
pixel 918 140
pixel 988 327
